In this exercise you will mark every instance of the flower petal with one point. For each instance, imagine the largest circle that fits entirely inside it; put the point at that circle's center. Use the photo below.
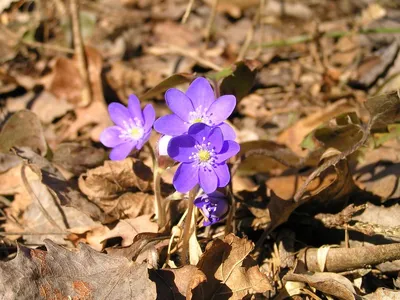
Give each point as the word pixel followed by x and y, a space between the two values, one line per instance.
pixel 118 113
pixel 229 149
pixel 222 108
pixel 179 103
pixel 110 137
pixel 121 151
pixel 216 139
pixel 223 174
pixel 200 132
pixel 186 177
pixel 227 131
pixel 143 140
pixel 149 115
pixel 134 108
pixel 163 144
pixel 208 180
pixel 171 125
pixel 181 148
pixel 201 93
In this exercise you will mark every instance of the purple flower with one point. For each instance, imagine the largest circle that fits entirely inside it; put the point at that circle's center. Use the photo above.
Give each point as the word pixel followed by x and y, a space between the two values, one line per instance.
pixel 197 105
pixel 132 127
pixel 203 154
pixel 214 207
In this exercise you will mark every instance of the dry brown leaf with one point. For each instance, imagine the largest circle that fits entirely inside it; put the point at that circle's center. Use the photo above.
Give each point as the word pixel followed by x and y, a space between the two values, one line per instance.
pixel 329 283
pixel 84 274
pixel 294 135
pixel 173 284
pixel 114 188
pixel 383 294
pixel 77 158
pixel 127 229
pixel 66 218
pixel 23 129
pixel 230 272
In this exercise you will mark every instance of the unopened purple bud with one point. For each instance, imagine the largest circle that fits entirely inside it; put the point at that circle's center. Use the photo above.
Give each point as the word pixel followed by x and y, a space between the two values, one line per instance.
pixel 214 207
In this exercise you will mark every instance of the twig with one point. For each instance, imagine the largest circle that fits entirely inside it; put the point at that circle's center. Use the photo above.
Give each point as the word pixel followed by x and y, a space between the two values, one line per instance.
pixel 210 21
pixel 172 49
pixel 33 233
pixel 343 259
pixel 187 12
pixel 80 54
pixel 333 34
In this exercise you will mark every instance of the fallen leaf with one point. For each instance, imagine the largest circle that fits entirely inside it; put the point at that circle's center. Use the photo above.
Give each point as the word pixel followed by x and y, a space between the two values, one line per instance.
pixel 76 158
pixel 115 188
pixel 294 135
pixel 23 129
pixel 384 109
pixel 83 274
pixel 127 229
pixel 241 80
pixel 230 272
pixel 329 283
pixel 384 294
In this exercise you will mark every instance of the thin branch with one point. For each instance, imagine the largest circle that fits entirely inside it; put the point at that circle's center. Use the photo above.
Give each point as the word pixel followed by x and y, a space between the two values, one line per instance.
pixel 80 54
pixel 187 12
pixel 210 21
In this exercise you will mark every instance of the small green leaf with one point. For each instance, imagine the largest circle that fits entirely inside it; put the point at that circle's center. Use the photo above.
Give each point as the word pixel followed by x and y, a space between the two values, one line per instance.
pixel 164 85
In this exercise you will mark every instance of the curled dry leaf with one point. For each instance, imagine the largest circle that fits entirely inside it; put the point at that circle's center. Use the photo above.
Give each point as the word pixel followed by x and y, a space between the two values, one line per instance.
pixel 230 272
pixel 23 129
pixel 329 283
pixel 115 187
pixel 84 274
pixel 384 109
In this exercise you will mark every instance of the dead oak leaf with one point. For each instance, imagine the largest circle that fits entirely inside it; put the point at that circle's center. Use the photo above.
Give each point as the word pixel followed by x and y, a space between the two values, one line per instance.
pixel 230 272
pixel 62 274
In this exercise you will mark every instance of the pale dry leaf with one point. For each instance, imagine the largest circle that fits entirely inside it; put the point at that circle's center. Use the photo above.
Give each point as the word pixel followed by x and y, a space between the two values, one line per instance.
pixel 127 229
pixel 329 283
pixel 230 272
pixel 83 274
pixel 294 135
pixel 67 218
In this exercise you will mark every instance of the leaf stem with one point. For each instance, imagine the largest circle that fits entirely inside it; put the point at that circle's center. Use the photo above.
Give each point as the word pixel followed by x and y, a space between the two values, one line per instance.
pixel 159 207
pixel 188 223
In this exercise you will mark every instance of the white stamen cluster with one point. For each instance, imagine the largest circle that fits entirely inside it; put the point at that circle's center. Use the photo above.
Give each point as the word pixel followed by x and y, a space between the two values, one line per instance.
pixel 132 130
pixel 200 115
pixel 205 156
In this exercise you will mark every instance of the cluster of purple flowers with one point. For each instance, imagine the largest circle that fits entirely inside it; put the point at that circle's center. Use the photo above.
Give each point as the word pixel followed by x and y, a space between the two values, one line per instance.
pixel 195 135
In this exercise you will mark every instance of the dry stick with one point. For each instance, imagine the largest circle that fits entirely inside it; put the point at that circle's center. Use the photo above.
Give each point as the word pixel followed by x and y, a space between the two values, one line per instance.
pixel 187 12
pixel 32 233
pixel 159 205
pixel 33 195
pixel 186 229
pixel 343 259
pixel 232 212
pixel 80 54
pixel 210 21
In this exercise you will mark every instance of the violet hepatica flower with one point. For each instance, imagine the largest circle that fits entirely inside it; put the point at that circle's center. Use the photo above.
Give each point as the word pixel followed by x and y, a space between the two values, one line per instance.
pixel 197 105
pixel 214 207
pixel 203 153
pixel 132 127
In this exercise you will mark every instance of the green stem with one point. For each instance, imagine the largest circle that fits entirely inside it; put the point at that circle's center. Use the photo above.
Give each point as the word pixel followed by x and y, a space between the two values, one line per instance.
pixel 160 212
pixel 186 229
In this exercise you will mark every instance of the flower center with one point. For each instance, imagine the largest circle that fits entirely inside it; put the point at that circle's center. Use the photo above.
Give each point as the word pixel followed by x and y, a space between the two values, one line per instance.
pixel 205 156
pixel 132 130
pixel 200 115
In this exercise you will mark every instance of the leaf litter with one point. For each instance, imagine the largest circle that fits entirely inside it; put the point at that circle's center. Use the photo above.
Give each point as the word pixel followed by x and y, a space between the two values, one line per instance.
pixel 314 196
